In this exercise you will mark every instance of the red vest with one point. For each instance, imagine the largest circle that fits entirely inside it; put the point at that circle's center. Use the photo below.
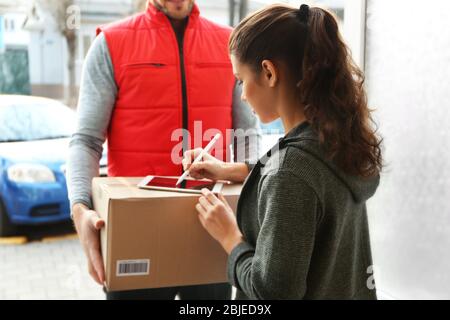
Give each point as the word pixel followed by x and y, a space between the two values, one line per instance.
pixel 149 105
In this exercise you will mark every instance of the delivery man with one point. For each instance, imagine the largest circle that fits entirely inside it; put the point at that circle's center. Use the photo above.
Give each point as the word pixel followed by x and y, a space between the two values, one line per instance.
pixel 144 78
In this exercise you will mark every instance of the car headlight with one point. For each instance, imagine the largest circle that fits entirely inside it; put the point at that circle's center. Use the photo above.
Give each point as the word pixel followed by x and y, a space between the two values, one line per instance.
pixel 31 173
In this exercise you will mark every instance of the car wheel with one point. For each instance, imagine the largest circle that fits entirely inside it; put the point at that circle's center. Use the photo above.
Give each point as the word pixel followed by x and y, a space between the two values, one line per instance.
pixel 6 227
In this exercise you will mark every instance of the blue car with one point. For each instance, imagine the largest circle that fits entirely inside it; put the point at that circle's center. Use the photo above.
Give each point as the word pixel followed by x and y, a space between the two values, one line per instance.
pixel 34 141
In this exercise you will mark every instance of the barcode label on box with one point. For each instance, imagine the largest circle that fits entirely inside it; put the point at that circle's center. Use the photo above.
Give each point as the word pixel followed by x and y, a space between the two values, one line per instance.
pixel 126 268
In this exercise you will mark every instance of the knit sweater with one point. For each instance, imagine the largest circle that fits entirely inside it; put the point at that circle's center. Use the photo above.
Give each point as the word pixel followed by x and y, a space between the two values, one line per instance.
pixel 305 226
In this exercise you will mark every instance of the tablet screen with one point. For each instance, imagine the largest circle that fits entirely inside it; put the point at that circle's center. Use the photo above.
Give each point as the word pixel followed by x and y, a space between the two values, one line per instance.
pixel 186 184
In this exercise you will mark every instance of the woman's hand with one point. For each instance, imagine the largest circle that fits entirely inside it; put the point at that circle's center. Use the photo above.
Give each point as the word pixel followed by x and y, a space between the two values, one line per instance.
pixel 217 217
pixel 208 168
pixel 212 168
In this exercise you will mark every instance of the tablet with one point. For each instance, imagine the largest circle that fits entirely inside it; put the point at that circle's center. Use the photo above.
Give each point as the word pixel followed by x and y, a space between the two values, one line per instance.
pixel 189 185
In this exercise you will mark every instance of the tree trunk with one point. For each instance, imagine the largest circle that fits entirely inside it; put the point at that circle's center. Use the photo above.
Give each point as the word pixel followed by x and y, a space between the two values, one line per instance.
pixel 71 39
pixel 243 10
pixel 232 10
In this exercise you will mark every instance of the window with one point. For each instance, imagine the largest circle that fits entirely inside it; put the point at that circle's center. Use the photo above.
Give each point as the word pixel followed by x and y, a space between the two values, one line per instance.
pixel 407 70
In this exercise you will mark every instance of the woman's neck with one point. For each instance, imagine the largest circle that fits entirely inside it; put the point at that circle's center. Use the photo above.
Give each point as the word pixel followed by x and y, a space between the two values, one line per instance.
pixel 291 113
pixel 291 123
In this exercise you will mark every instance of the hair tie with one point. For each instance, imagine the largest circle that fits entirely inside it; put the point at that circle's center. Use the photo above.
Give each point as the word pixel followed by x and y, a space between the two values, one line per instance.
pixel 303 13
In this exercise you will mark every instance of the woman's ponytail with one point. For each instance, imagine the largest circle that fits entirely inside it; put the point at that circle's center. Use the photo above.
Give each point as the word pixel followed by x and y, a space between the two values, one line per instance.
pixel 332 90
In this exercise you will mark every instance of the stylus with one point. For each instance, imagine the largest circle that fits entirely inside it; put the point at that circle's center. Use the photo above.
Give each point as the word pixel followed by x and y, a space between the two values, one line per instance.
pixel 200 156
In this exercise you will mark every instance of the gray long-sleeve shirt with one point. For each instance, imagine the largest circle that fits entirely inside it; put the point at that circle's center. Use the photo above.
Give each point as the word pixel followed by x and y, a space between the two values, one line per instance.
pixel 98 91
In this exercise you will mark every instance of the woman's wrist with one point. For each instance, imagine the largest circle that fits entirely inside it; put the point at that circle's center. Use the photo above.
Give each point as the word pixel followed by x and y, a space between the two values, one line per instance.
pixel 232 242
pixel 235 172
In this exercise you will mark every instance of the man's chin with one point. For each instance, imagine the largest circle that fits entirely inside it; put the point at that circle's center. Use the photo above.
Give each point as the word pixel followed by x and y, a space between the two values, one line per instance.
pixel 178 16
pixel 179 12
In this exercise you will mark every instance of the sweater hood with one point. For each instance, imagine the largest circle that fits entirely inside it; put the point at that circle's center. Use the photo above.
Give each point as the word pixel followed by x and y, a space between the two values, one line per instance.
pixel 305 138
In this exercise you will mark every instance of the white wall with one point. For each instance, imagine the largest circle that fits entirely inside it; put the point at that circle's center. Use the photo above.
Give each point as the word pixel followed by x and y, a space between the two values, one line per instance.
pixel 47 53
pixel 48 48
pixel 408 72
pixel 14 35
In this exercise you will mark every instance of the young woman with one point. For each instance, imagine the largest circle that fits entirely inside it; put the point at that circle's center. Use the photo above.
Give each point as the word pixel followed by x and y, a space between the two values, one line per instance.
pixel 301 227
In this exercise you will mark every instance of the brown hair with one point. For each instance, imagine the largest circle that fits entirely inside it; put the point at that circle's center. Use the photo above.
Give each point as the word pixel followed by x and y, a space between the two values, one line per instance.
pixel 330 86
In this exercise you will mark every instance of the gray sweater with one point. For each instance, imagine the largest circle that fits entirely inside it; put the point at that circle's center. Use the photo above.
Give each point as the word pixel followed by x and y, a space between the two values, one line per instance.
pixel 305 227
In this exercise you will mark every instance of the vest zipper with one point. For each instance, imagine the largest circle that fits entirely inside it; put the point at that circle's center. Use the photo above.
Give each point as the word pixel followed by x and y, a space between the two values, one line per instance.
pixel 184 95
pixel 184 110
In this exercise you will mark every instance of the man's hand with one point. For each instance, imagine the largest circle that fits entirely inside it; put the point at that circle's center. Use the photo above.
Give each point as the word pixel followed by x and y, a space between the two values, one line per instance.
pixel 88 225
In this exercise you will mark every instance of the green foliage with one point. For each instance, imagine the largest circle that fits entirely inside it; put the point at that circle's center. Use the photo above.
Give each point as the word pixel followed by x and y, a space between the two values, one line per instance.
pixel 14 72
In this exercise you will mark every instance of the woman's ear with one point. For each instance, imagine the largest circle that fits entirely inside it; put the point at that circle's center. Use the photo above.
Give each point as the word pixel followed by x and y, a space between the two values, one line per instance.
pixel 269 73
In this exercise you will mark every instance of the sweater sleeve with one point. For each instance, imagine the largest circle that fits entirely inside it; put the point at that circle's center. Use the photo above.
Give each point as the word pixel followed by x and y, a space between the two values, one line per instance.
pixel 277 268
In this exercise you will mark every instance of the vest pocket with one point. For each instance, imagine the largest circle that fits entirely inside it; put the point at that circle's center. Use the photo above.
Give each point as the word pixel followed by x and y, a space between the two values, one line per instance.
pixel 148 84
pixel 144 65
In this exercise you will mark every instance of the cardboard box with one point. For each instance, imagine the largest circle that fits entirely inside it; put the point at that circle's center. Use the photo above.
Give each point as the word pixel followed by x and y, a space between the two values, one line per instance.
pixel 153 239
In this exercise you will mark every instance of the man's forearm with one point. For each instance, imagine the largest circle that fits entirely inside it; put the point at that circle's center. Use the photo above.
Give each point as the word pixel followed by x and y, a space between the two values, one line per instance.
pixel 98 93
pixel 83 166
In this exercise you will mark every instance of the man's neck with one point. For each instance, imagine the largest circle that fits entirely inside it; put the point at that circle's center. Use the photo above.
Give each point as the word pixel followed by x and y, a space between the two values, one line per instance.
pixel 179 25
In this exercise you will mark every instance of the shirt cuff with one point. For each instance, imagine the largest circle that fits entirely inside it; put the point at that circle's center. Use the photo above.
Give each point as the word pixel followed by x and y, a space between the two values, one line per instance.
pixel 238 252
pixel 81 201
